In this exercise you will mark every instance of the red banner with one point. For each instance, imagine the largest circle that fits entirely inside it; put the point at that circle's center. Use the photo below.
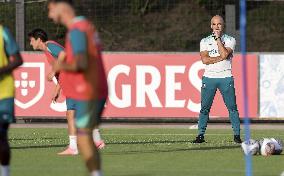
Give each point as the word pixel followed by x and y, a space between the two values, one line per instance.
pixel 142 85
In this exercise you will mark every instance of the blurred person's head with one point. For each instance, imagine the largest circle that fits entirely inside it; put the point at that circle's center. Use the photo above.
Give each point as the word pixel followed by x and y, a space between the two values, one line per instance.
pixel 37 38
pixel 61 11
pixel 217 23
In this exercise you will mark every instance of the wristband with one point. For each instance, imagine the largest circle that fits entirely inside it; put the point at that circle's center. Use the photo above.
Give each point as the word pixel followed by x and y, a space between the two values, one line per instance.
pixel 216 38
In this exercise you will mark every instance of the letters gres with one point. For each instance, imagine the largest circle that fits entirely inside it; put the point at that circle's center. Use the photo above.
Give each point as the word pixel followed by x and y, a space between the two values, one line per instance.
pixel 156 85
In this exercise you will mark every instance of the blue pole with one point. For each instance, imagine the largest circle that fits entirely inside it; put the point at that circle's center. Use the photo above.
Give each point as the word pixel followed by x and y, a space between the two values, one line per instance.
pixel 248 158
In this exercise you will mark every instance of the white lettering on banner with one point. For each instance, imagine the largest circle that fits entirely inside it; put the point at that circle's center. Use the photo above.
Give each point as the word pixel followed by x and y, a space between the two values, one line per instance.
pixel 149 89
pixel 196 82
pixel 172 86
pixel 125 101
pixel 143 89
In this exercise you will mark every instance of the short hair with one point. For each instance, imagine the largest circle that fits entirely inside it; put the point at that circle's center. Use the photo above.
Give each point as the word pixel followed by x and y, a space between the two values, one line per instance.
pixel 219 16
pixel 70 2
pixel 38 33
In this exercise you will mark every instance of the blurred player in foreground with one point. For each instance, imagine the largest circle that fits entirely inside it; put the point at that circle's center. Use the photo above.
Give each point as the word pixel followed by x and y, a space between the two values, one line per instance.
pixel 83 72
pixel 265 147
pixel 54 51
pixel 216 53
pixel 10 59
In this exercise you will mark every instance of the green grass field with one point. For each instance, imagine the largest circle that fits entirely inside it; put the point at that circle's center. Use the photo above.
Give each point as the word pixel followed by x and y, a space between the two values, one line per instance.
pixel 141 152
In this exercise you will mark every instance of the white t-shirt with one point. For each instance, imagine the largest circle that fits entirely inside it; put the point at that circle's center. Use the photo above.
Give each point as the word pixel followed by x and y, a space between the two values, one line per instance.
pixel 223 68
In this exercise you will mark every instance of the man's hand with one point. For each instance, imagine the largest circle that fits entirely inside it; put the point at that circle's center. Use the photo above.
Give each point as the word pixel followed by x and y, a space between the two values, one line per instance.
pixel 50 76
pixel 56 94
pixel 223 51
pixel 207 60
pixel 55 97
pixel 217 34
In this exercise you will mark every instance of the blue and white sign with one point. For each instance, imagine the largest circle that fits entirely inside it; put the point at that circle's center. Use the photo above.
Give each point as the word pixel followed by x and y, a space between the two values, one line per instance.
pixel 271 85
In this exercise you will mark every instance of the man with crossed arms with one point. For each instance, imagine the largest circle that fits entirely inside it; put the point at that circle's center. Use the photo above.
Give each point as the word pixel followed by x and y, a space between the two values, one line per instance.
pixel 216 53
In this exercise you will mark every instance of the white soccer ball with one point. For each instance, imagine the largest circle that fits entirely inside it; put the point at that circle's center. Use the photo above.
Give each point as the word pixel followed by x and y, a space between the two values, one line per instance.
pixel 267 149
pixel 250 147
pixel 278 146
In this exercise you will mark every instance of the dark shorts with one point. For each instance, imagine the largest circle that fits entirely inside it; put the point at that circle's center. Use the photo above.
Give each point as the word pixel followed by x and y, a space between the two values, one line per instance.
pixel 70 104
pixel 7 110
pixel 87 113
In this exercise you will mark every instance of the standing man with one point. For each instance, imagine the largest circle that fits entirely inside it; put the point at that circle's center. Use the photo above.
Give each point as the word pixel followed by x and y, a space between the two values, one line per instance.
pixel 83 72
pixel 54 51
pixel 10 59
pixel 216 53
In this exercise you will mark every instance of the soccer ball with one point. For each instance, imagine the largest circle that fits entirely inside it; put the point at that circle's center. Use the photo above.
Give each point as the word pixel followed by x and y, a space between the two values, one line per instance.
pixel 250 147
pixel 278 146
pixel 267 149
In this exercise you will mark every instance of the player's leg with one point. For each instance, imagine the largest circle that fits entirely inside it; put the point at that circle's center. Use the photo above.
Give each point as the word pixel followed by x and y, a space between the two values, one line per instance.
pixel 208 91
pixel 72 148
pixel 227 90
pixel 5 152
pixel 6 117
pixel 89 151
pixel 99 142
pixel 88 115
pixel 70 114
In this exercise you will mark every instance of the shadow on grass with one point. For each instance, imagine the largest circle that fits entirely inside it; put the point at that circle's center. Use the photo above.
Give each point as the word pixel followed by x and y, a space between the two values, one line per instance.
pixel 32 139
pixel 173 150
pixel 126 174
pixel 154 142
pixel 37 146
pixel 149 142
